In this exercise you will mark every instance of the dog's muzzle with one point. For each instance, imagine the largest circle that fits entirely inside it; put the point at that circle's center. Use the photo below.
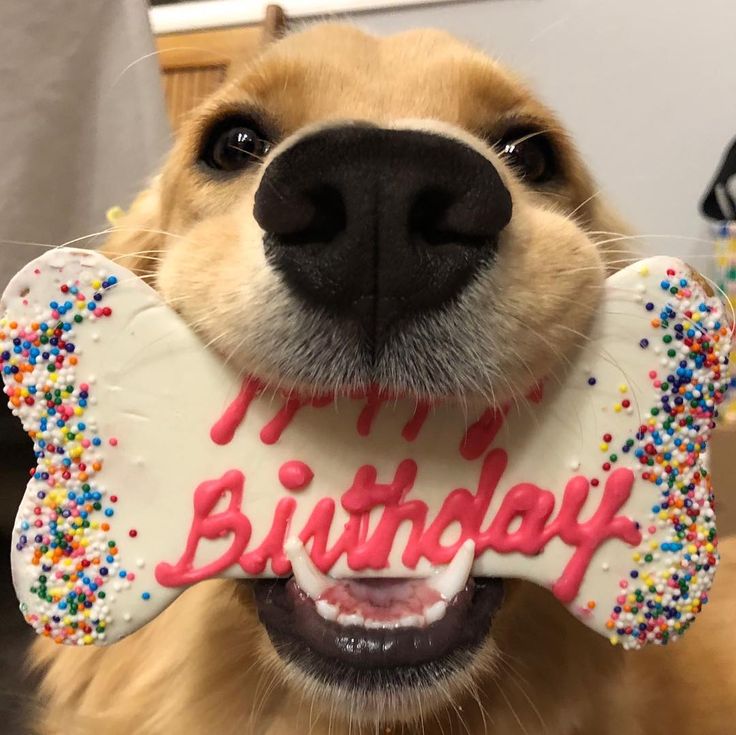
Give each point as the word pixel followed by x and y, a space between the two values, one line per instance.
pixel 379 226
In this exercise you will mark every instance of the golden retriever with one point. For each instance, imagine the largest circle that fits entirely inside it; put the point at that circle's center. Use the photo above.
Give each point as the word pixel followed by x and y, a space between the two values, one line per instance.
pixel 355 137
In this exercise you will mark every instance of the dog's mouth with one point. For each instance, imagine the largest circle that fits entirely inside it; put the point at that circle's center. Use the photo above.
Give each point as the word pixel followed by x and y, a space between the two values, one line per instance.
pixel 378 632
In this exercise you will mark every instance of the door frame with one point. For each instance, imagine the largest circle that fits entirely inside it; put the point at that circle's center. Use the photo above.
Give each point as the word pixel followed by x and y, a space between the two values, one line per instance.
pixel 203 14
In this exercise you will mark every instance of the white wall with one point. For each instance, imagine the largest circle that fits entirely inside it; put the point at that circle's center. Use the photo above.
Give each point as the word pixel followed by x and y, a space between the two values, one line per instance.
pixel 648 88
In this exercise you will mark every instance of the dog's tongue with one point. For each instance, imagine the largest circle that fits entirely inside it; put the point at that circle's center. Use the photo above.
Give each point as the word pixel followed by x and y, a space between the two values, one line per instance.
pixel 158 469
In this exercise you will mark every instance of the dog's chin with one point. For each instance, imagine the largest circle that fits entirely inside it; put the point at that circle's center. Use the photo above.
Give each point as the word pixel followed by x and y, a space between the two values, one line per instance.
pixel 388 660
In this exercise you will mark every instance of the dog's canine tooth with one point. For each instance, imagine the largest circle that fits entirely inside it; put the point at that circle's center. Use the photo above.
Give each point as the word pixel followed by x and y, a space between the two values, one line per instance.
pixel 435 612
pixel 452 579
pixel 310 580
pixel 327 610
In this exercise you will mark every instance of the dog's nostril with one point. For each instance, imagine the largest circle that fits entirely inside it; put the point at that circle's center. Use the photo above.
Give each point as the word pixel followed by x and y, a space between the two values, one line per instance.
pixel 321 219
pixel 433 221
pixel 299 213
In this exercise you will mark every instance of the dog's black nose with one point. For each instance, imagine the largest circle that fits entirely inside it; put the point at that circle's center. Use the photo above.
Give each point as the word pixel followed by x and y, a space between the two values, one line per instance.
pixel 380 225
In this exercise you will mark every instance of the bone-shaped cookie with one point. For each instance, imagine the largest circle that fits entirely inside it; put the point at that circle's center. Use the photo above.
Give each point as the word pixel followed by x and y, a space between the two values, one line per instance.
pixel 157 468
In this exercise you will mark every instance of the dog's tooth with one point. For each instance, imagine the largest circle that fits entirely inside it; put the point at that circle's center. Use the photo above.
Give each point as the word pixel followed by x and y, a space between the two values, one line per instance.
pixel 435 612
pixel 327 610
pixel 351 619
pixel 373 623
pixel 452 579
pixel 310 580
pixel 410 621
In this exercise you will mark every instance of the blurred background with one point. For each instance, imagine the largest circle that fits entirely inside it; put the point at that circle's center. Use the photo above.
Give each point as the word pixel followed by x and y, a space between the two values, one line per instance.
pixel 92 94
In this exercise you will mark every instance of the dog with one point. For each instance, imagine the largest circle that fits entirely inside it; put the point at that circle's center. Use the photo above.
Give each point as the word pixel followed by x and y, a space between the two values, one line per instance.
pixel 473 246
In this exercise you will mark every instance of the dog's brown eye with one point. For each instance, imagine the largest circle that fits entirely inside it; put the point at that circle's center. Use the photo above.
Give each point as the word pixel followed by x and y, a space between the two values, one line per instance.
pixel 530 154
pixel 234 145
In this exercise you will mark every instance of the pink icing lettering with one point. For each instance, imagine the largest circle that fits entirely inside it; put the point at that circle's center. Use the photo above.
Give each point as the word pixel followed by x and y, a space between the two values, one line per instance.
pixel 480 435
pixel 536 394
pixel 525 507
pixel 365 494
pixel 532 505
pixel 273 430
pixel 411 431
pixel 295 475
pixel 373 401
pixel 224 430
pixel 210 525
pixel 317 529
pixel 587 537
pixel 465 508
pixel 272 547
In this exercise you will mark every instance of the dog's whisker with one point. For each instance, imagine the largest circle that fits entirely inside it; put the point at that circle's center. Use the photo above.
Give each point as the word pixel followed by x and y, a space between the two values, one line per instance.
pixel 562 358
pixel 521 684
pixel 533 134
pixel 724 297
pixel 475 696
pixel 610 359
pixel 50 246
pixel 141 255
pixel 28 244
pixel 107 231
pixel 160 52
pixel 332 714
pixel 618 237
pixel 439 723
pixel 254 156
pixel 511 707
pixel 582 204
pixel 312 701
pixel 460 717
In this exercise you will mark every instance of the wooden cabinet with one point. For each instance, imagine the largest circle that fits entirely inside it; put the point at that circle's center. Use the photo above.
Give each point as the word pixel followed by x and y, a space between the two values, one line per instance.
pixel 194 64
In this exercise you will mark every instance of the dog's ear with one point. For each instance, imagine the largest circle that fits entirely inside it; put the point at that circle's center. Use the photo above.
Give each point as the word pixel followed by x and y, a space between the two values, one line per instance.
pixel 273 28
pixel 136 239
pixel 274 24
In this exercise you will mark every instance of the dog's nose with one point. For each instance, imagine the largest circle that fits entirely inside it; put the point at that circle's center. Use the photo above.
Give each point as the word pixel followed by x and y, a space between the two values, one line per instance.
pixel 380 225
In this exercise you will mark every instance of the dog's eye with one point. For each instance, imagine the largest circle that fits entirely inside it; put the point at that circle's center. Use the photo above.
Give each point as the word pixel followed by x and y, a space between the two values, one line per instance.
pixel 234 145
pixel 530 154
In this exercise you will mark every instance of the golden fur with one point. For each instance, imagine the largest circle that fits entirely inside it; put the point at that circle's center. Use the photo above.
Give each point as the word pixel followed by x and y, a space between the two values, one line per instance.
pixel 206 665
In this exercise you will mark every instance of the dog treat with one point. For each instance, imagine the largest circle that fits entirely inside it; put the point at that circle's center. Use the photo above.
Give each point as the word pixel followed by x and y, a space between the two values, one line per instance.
pixel 158 467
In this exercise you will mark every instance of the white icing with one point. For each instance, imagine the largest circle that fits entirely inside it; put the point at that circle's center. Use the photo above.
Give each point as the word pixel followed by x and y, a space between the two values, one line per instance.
pixel 158 393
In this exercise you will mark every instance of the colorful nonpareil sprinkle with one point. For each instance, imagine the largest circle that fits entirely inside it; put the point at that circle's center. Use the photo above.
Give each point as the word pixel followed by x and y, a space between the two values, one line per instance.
pixel 670 576
pixel 67 517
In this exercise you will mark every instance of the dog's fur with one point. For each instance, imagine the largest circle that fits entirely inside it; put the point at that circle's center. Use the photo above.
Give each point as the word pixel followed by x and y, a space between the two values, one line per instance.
pixel 206 665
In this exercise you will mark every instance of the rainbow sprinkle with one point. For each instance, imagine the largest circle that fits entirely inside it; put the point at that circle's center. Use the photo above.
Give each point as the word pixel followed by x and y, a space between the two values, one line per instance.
pixel 659 600
pixel 67 521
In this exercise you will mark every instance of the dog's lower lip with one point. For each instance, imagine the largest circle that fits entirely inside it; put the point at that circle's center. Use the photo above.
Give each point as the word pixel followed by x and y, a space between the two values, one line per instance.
pixel 299 632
